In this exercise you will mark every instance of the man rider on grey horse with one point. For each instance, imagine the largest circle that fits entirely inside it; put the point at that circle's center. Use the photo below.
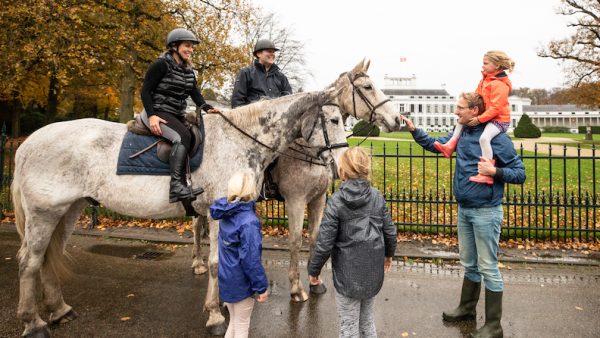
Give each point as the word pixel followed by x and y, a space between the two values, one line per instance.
pixel 169 81
pixel 261 79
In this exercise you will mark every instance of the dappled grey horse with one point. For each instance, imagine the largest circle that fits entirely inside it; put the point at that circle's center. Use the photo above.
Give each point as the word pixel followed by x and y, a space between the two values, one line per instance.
pixel 63 166
pixel 304 184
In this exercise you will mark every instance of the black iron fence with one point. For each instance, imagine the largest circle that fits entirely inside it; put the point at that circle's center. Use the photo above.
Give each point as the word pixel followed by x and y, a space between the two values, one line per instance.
pixel 559 200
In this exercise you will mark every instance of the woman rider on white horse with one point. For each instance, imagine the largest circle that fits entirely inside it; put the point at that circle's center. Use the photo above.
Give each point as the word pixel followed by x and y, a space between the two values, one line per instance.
pixel 169 81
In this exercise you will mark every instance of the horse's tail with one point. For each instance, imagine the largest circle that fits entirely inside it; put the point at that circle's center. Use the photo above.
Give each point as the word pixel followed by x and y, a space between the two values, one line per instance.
pixel 15 190
pixel 56 258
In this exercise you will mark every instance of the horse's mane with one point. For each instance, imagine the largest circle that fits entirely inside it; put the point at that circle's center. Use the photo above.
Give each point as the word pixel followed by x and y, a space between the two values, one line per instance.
pixel 249 114
pixel 246 115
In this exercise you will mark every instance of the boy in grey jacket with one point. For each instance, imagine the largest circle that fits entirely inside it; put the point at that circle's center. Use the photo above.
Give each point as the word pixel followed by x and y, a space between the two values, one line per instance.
pixel 358 232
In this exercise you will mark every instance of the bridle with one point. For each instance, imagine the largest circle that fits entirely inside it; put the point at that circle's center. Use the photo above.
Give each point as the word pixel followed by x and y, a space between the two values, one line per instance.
pixel 372 107
pixel 328 145
pixel 356 90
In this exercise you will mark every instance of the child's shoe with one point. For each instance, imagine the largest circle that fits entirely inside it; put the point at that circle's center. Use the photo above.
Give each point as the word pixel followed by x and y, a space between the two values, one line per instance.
pixel 446 149
pixel 484 179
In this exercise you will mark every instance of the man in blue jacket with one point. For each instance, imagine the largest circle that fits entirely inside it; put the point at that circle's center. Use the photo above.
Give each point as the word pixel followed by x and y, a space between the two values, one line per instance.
pixel 480 212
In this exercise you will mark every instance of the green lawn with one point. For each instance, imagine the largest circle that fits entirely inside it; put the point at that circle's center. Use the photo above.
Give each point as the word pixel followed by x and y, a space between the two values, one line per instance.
pixel 408 167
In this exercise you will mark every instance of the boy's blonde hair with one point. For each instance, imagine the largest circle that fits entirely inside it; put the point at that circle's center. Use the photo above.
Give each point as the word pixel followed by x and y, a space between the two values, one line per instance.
pixel 501 60
pixel 355 163
pixel 242 186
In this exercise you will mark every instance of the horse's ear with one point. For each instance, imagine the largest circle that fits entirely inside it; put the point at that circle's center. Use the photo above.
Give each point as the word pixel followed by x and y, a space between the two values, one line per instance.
pixel 366 66
pixel 331 94
pixel 359 67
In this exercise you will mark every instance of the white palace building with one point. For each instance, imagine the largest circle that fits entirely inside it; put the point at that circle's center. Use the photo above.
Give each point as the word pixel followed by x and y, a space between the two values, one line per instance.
pixel 433 109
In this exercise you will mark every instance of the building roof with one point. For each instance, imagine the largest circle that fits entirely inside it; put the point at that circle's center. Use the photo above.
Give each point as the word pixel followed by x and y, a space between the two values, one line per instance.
pixel 420 92
pixel 554 107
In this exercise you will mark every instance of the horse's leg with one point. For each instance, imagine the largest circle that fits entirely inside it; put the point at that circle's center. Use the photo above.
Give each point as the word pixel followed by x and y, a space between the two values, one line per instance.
pixel 216 321
pixel 60 312
pixel 36 249
pixel 198 226
pixel 315 214
pixel 295 209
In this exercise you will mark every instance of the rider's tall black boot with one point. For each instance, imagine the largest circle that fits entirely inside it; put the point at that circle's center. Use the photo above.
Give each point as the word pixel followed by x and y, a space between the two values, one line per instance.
pixel 469 297
pixel 179 190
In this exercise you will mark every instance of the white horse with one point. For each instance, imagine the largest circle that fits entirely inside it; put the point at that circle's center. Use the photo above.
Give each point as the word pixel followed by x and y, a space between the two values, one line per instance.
pixel 358 97
pixel 63 166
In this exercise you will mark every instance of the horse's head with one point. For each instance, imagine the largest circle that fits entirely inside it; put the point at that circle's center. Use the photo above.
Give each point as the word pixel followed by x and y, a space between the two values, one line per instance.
pixel 359 97
pixel 323 128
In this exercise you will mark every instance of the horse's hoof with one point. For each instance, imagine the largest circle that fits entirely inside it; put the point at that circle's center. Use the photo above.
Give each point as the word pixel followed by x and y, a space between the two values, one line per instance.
pixel 218 330
pixel 40 332
pixel 318 289
pixel 300 297
pixel 200 270
pixel 67 317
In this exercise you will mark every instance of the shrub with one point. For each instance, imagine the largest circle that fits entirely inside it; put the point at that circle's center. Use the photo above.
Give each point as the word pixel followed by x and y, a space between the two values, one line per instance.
pixel 363 128
pixel 595 129
pixel 526 128
pixel 562 130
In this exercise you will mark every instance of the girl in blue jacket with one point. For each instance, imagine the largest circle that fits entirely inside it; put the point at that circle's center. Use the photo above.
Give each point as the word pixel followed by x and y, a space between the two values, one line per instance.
pixel 241 274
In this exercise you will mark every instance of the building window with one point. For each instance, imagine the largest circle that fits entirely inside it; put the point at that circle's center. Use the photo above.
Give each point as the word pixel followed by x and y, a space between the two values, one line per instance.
pixel 420 108
pixel 412 107
pixel 428 108
pixel 513 107
pixel 443 109
pixel 420 121
pixel 401 108
pixel 444 121
pixel 435 108
pixel 435 121
pixel 429 121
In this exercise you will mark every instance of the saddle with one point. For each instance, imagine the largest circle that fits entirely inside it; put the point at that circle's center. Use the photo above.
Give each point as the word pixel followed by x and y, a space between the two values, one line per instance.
pixel 163 147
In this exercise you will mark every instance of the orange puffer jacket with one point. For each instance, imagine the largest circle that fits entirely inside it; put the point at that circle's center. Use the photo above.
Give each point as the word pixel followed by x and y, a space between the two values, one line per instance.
pixel 494 88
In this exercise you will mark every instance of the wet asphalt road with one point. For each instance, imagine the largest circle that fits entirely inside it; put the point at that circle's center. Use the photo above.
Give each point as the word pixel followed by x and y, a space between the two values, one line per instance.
pixel 163 298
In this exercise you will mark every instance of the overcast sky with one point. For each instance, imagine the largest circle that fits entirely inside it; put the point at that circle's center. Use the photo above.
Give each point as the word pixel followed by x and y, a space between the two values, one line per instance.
pixel 443 41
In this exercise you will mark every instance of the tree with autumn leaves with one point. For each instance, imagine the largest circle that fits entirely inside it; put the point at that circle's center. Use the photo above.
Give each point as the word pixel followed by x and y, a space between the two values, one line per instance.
pixel 64 59
pixel 580 53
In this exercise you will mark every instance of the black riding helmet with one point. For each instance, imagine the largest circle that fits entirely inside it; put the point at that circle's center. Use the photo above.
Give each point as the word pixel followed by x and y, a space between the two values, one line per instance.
pixel 264 44
pixel 179 35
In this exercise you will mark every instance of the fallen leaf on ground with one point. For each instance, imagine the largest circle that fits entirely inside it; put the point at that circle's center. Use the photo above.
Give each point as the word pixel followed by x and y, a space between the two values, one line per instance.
pixel 404 334
pixel 130 295
pixel 124 319
pixel 578 308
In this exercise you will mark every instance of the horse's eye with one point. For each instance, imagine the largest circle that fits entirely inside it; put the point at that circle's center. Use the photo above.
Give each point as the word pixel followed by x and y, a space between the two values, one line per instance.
pixel 368 87
pixel 335 120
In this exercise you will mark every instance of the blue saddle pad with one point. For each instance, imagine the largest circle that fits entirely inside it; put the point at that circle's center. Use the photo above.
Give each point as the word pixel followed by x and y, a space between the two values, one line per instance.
pixel 146 163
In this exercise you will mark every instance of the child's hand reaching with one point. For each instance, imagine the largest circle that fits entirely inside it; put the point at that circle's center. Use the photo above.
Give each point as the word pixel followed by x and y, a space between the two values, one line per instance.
pixel 473 122
pixel 263 297
pixel 387 264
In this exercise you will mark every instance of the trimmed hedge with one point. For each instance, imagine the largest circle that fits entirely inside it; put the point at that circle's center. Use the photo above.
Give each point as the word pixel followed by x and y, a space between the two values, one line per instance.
pixel 526 128
pixel 561 130
pixel 363 128
pixel 595 129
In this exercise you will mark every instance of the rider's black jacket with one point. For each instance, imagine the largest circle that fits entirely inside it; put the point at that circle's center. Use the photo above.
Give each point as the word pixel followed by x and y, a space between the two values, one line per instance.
pixel 253 83
pixel 167 85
